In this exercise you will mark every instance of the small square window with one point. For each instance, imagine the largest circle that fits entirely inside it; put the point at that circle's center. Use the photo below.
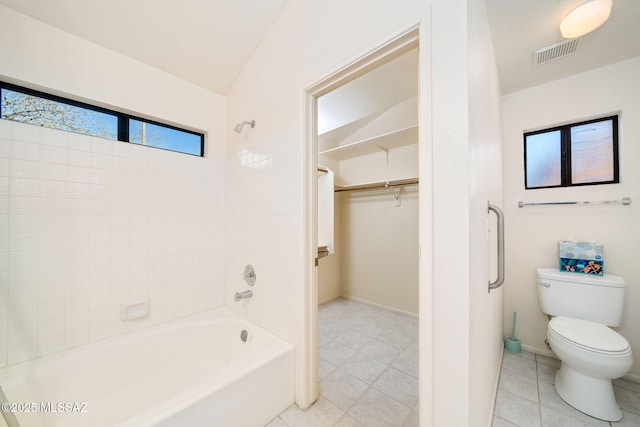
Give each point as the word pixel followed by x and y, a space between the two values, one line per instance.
pixel 583 153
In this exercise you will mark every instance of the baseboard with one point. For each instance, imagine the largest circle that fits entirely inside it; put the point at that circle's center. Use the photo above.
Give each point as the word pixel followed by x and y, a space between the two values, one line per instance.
pixel 538 350
pixel 386 307
pixel 634 378
pixel 329 298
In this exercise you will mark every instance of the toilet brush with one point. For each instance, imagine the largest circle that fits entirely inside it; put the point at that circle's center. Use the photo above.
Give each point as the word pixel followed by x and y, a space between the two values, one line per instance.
pixel 511 344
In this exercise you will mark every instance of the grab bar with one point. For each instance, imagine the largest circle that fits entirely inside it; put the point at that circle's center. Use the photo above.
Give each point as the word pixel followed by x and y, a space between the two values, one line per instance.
pixel 500 279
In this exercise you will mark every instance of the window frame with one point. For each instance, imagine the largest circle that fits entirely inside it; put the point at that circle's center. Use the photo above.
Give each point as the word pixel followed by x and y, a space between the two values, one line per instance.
pixel 565 153
pixel 123 132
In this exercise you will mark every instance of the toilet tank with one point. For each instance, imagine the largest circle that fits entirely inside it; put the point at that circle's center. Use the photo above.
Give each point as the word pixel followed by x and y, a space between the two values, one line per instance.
pixel 596 298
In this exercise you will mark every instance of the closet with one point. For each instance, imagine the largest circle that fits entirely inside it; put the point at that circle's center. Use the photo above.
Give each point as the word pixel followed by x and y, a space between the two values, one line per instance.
pixel 368 143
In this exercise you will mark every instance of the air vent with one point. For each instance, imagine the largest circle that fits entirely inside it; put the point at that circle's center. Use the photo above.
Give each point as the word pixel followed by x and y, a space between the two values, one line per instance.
pixel 556 51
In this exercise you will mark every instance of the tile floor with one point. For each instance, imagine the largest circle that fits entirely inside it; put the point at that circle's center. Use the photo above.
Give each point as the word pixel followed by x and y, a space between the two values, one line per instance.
pixel 527 396
pixel 368 369
pixel 368 373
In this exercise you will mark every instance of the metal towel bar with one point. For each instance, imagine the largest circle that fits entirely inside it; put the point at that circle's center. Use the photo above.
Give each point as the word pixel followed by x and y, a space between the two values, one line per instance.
pixel 623 201
pixel 500 279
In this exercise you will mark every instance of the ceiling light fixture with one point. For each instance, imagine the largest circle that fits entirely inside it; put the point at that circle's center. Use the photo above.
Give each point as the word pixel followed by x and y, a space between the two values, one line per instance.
pixel 585 17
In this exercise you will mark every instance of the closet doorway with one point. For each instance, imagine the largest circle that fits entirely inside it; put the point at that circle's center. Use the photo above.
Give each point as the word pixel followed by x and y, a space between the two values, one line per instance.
pixel 365 284
pixel 368 188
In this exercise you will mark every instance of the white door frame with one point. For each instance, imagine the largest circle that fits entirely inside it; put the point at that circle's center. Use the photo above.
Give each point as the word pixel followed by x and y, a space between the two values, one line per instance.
pixel 307 359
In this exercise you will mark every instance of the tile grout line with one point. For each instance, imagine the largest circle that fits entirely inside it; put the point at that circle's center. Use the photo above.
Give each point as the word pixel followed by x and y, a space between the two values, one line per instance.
pixel 535 359
pixel 370 386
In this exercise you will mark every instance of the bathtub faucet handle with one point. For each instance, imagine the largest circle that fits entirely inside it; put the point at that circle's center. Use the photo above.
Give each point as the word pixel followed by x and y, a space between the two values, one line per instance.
pixel 249 275
pixel 242 295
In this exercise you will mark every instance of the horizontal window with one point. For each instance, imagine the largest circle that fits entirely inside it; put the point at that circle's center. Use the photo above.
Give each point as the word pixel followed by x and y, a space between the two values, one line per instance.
pixel 41 109
pixel 155 135
pixel 584 153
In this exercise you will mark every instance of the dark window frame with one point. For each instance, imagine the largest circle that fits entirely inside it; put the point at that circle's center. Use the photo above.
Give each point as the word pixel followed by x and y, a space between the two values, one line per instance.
pixel 123 133
pixel 565 150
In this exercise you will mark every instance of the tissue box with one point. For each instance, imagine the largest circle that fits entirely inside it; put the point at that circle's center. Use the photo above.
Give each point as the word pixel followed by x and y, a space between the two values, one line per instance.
pixel 581 257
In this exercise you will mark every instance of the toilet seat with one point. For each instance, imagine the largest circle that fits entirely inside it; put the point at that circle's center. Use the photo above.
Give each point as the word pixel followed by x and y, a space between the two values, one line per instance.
pixel 588 335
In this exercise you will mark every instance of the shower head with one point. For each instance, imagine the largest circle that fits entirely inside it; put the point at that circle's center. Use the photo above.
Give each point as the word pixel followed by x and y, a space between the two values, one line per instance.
pixel 240 125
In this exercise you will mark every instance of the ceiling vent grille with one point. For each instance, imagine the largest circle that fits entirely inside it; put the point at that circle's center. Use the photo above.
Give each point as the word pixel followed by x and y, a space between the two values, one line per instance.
pixel 556 51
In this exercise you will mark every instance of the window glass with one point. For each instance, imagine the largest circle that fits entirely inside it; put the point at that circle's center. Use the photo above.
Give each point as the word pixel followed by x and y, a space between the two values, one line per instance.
pixel 583 153
pixel 543 159
pixel 592 152
pixel 44 109
pixel 25 108
pixel 159 136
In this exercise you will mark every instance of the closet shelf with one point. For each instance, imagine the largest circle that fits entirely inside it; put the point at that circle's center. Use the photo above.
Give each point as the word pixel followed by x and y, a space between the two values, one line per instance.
pixel 396 139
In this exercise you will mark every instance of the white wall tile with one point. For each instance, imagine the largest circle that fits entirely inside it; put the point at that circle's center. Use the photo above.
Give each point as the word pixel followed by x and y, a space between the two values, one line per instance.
pixel 78 141
pixel 21 352
pixel 4 165
pixel 4 204
pixel 54 137
pixel 23 186
pixel 50 345
pixel 50 327
pixel 25 151
pixel 24 169
pixel 6 147
pixel 79 158
pixel 6 129
pixel 54 154
pixel 103 146
pixel 27 133
pixel 22 242
pixel 51 310
pixel 53 170
pixel 91 224
pixel 4 186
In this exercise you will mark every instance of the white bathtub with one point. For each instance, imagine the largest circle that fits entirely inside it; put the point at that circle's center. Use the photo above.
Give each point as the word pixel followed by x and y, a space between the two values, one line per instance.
pixel 194 371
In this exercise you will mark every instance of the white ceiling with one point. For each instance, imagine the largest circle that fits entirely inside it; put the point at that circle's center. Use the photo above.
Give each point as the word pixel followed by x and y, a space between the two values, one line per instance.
pixel 208 42
pixel 518 27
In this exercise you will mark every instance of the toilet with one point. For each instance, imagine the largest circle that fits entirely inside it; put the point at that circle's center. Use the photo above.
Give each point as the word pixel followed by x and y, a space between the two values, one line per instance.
pixel 583 307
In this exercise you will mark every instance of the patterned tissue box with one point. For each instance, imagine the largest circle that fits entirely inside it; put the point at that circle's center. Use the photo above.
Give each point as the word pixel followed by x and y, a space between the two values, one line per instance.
pixel 581 257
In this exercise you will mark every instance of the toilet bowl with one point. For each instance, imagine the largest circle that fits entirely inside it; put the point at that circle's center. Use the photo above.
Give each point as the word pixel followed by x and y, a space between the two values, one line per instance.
pixel 592 355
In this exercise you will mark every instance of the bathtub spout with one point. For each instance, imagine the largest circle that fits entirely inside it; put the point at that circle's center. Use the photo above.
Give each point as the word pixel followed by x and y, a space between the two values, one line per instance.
pixel 242 295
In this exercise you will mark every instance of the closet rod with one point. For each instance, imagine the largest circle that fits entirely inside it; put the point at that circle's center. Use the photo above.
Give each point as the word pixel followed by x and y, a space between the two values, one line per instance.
pixel 376 185
pixel 324 170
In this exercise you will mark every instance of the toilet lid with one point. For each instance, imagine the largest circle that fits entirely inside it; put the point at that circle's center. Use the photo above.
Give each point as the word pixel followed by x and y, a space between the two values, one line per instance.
pixel 589 334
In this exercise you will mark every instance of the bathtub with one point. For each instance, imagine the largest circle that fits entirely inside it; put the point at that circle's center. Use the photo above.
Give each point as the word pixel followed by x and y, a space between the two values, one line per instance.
pixel 195 371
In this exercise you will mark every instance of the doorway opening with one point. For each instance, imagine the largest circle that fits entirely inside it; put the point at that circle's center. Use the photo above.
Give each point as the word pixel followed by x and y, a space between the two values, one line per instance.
pixel 350 143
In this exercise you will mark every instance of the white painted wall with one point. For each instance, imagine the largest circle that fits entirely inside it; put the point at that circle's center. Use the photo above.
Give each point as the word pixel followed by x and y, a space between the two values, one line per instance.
pixel 379 249
pixel 265 201
pixel 88 224
pixel 533 232
pixel 379 241
pixel 486 185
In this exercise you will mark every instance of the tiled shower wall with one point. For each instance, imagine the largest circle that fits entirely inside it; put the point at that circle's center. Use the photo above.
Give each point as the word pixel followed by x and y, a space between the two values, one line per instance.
pixel 264 229
pixel 88 224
